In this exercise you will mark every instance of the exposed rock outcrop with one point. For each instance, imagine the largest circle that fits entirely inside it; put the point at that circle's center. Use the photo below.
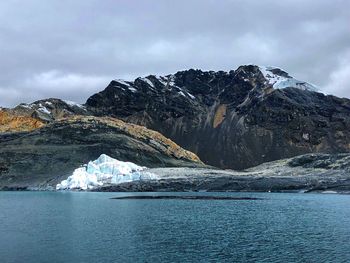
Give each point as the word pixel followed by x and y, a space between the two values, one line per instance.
pixel 14 123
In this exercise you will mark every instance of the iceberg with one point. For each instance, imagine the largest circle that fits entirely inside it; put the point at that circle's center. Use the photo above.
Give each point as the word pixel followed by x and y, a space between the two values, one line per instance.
pixel 104 170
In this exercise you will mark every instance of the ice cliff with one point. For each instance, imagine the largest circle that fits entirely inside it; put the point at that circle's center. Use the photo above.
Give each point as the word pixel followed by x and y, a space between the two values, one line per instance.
pixel 104 170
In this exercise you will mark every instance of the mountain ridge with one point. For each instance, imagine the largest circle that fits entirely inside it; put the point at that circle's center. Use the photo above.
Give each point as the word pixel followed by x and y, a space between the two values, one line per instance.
pixel 235 119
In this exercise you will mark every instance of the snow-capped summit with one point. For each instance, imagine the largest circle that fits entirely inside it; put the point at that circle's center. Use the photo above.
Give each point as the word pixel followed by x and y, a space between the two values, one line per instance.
pixel 103 170
pixel 280 79
pixel 235 119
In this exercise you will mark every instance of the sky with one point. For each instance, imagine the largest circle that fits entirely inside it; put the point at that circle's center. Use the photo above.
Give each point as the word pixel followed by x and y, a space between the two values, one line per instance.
pixel 73 49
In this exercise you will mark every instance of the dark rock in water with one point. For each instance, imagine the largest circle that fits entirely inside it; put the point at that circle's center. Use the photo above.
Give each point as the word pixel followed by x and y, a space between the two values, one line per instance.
pixel 45 156
pixel 14 188
pixel 183 197
pixel 235 119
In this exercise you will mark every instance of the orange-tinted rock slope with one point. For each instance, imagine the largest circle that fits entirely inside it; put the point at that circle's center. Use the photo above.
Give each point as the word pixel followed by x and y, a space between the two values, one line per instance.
pixel 14 123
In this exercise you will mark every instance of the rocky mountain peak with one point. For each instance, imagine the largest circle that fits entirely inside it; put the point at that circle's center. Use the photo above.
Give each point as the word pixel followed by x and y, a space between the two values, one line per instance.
pixel 48 110
pixel 195 82
pixel 232 119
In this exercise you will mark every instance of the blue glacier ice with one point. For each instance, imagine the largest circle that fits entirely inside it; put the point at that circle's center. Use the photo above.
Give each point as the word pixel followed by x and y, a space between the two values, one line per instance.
pixel 104 170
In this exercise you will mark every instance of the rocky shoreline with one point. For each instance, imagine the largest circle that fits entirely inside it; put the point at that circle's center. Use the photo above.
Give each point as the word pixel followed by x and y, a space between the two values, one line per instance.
pixel 306 173
pixel 219 182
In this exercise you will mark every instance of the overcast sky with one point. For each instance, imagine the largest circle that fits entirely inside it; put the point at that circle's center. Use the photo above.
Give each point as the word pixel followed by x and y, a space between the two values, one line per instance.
pixel 72 49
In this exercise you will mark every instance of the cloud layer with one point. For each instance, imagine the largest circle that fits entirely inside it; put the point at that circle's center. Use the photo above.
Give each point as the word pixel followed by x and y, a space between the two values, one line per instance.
pixel 71 49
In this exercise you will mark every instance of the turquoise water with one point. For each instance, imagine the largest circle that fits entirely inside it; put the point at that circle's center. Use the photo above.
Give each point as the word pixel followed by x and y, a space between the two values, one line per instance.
pixel 90 227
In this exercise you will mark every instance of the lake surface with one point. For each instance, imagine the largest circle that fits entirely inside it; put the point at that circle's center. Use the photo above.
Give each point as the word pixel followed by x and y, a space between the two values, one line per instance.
pixel 90 227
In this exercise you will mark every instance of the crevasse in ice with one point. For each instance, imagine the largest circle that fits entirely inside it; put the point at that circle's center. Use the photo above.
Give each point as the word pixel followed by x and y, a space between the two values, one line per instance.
pixel 104 170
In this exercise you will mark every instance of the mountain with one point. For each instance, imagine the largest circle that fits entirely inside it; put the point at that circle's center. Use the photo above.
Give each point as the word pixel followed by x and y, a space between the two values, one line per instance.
pixel 47 110
pixel 45 156
pixel 235 119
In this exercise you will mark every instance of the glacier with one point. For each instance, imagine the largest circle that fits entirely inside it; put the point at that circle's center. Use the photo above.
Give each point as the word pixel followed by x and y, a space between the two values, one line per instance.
pixel 281 82
pixel 105 170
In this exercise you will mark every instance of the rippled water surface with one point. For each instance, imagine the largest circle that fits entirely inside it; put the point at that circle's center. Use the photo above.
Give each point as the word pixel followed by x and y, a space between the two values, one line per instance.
pixel 90 227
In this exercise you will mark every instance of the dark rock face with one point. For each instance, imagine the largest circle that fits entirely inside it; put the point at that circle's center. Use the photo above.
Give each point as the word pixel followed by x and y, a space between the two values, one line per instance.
pixel 235 119
pixel 48 155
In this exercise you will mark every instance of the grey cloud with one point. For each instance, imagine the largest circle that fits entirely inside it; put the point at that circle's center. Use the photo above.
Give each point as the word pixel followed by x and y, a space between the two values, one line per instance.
pixel 71 49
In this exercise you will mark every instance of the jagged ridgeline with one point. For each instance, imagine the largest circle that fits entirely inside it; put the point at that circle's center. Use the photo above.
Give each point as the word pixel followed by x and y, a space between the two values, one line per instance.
pixel 234 119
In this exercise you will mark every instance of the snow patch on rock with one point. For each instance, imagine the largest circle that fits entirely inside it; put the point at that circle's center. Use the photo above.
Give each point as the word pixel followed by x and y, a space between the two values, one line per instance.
pixel 182 94
pixel 148 82
pixel 25 105
pixel 132 89
pixel 43 109
pixel 191 96
pixel 171 79
pixel 123 82
pixel 72 104
pixel 128 85
pixel 162 80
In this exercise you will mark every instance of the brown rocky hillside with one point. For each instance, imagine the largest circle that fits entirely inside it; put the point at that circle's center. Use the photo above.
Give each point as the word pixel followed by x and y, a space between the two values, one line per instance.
pixel 14 123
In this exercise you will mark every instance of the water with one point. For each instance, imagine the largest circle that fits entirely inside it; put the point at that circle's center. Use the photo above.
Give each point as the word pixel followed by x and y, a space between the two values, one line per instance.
pixel 90 227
